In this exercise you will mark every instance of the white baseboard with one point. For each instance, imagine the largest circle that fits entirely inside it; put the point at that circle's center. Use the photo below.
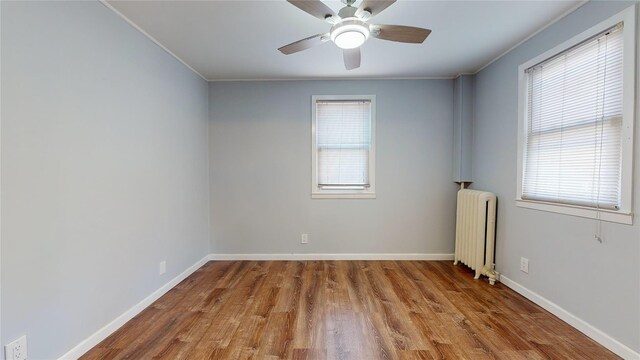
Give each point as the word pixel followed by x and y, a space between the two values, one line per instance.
pixel 331 256
pixel 597 335
pixel 114 325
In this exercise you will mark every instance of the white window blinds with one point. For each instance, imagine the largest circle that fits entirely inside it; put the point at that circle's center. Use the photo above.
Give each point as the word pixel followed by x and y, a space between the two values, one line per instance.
pixel 574 125
pixel 343 138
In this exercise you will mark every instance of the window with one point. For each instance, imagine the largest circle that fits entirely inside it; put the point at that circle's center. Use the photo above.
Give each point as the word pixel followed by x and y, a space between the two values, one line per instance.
pixel 575 143
pixel 343 147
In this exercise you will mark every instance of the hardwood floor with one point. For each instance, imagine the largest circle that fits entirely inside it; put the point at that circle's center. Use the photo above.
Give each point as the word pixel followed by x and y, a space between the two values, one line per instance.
pixel 343 310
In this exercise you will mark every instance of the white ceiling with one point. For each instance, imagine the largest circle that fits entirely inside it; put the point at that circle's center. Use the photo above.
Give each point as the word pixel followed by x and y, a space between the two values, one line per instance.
pixel 224 40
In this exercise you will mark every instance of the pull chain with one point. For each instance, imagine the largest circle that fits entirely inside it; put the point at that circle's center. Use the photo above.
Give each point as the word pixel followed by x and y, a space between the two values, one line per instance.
pixel 598 234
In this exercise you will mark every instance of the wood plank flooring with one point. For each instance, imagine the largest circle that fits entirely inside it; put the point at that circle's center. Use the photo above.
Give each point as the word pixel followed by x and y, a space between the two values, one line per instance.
pixel 343 310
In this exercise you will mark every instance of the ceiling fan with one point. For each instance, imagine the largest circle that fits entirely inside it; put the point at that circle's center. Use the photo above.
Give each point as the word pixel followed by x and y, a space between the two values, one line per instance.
pixel 350 29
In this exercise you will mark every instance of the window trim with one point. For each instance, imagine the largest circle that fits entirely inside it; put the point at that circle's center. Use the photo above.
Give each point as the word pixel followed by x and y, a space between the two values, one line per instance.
pixel 316 191
pixel 624 215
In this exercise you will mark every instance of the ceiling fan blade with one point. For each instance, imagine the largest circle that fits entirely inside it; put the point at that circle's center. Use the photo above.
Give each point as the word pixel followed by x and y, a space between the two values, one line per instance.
pixel 315 8
pixel 304 44
pixel 351 58
pixel 374 6
pixel 399 33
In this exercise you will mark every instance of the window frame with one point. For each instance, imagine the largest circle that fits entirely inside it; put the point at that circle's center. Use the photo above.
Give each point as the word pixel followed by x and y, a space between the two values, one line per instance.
pixel 624 215
pixel 320 193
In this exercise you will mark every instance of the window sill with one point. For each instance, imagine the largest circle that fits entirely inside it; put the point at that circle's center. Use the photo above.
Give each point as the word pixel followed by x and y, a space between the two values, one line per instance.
pixel 328 195
pixel 580 211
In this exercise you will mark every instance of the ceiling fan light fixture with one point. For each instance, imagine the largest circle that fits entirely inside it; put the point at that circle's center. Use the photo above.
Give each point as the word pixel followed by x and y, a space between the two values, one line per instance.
pixel 350 34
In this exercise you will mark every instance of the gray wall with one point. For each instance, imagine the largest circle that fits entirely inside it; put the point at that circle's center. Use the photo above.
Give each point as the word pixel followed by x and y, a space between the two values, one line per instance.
pixel 104 171
pixel 599 283
pixel 260 153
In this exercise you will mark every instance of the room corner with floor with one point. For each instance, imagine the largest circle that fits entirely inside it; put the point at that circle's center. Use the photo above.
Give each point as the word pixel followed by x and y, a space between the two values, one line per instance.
pixel 189 180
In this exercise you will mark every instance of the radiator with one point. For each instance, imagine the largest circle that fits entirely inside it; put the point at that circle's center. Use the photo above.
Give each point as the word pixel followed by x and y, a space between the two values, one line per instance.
pixel 475 232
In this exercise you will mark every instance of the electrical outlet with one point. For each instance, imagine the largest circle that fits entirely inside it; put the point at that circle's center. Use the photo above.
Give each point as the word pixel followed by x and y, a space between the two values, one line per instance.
pixel 16 350
pixel 163 267
pixel 304 239
pixel 524 265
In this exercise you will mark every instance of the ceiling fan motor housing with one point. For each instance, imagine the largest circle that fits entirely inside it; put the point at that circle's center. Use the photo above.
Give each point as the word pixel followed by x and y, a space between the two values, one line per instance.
pixel 347 12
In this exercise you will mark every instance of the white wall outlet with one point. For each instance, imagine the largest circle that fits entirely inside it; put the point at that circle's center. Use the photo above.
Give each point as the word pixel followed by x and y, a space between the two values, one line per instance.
pixel 17 349
pixel 304 239
pixel 163 267
pixel 524 265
